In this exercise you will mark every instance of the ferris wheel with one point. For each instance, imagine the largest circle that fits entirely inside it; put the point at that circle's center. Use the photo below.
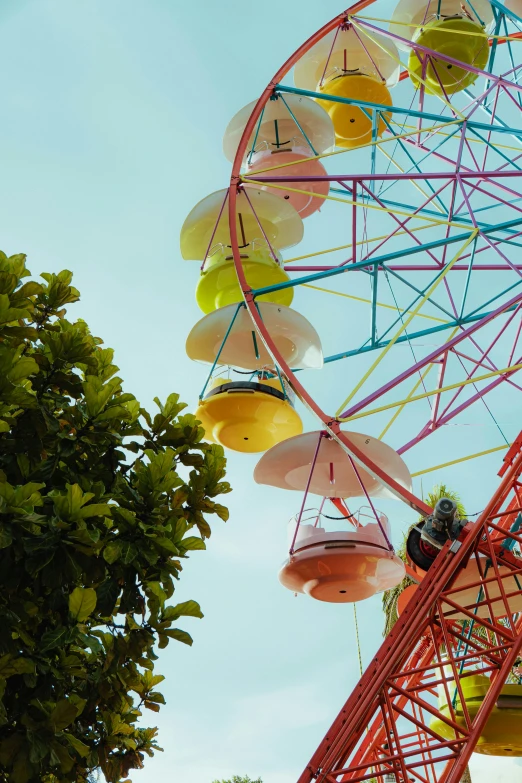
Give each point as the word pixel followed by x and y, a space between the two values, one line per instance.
pixel 387 152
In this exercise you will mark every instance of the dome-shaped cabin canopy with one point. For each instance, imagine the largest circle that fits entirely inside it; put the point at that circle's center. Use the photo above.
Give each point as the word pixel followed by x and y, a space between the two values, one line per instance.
pixel 294 337
pixel 288 122
pixel 287 466
pixel 341 566
pixel 354 51
pixel 258 216
pixel 410 16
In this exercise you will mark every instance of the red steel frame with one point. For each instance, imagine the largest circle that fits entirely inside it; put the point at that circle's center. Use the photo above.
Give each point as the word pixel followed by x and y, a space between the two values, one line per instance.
pixel 394 701
pixel 331 425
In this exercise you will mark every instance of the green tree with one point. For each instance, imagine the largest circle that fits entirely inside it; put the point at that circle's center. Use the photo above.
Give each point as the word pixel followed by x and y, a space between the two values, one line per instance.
pixel 99 505
pixel 239 779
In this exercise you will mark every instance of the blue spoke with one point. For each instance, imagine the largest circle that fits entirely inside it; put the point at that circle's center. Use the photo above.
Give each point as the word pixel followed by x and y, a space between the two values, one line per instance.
pixel 501 128
pixel 413 335
pixel 493 299
pixel 417 165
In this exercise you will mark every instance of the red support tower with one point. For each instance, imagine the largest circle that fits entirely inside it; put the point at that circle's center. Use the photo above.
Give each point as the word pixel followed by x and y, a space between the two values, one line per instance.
pixel 436 689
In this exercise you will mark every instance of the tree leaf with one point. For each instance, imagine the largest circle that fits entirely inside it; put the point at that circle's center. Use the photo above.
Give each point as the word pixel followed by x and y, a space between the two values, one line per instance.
pixel 60 756
pixel 82 602
pixel 78 746
pixel 112 552
pixel 128 552
pixel 10 666
pixel 39 748
pixel 95 510
pixel 54 638
pixel 107 594
pixel 185 609
pixel 63 714
pixel 193 542
pixel 179 635
pixel 156 697
pixel 6 536
pixel 22 769
pixel 221 511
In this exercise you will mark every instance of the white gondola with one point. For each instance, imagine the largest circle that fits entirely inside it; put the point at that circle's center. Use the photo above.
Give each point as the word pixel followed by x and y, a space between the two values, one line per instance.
pixel 287 466
pixel 280 223
pixel 342 566
pixel 354 50
pixel 310 127
pixel 293 335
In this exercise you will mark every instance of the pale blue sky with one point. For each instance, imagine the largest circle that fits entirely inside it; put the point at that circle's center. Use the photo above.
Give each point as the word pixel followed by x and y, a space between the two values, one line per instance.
pixel 112 118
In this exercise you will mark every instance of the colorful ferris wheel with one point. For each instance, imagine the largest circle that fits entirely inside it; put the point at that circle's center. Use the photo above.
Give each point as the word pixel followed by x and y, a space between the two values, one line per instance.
pixel 397 141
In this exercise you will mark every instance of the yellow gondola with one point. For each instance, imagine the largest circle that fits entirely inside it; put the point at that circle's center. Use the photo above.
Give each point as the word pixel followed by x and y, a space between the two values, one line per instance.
pixel 218 285
pixel 454 28
pixel 348 63
pixel 457 37
pixel 248 416
pixel 502 734
pixel 353 124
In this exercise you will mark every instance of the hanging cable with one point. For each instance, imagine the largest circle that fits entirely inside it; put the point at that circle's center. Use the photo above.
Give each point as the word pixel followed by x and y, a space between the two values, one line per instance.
pixel 357 639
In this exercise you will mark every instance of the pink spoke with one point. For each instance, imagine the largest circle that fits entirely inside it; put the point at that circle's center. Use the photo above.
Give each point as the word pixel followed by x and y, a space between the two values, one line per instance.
pixel 493 113
pixel 401 223
pixel 484 355
pixel 430 357
pixel 440 383
pixel 489 365
pixel 463 406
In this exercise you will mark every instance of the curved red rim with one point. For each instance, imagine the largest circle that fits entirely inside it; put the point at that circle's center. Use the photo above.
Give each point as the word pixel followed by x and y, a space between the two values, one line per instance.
pixel 331 425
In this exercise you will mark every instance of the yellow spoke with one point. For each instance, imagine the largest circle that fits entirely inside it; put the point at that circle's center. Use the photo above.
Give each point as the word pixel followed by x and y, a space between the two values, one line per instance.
pixel 462 459
pixel 477 379
pixel 369 301
pixel 471 140
pixel 512 37
pixel 351 202
pixel 350 245
pixel 384 140
pixel 413 390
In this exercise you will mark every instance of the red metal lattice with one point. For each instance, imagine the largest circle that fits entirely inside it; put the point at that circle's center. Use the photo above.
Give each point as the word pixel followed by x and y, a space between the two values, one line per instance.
pixel 384 727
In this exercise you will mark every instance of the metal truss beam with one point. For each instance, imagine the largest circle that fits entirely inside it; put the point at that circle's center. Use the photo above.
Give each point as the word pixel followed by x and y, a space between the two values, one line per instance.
pixel 386 726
